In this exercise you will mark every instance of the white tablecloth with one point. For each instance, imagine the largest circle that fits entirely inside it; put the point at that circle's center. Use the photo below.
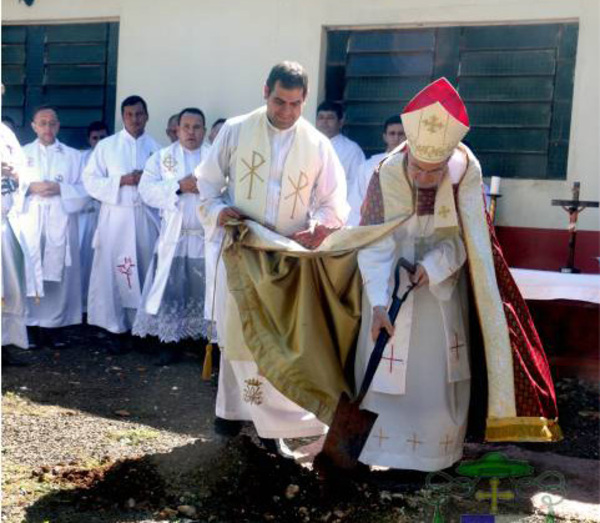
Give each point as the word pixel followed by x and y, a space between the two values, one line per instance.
pixel 549 285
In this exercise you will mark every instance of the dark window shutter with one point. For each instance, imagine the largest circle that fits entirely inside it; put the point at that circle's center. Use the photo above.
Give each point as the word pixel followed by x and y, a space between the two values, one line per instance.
pixel 70 66
pixel 517 83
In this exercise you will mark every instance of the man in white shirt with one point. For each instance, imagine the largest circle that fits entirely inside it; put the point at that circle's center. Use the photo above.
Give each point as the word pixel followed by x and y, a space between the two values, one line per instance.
pixel 330 120
pixel 273 166
pixel 172 306
pixel 127 228
pixel 214 130
pixel 393 136
pixel 88 217
pixel 49 199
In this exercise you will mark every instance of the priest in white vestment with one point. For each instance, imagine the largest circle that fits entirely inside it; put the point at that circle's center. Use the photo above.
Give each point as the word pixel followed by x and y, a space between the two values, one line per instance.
pixel 14 331
pixel 330 120
pixel 88 217
pixel 49 199
pixel 393 136
pixel 172 305
pixel 273 167
pixel 127 228
pixel 422 386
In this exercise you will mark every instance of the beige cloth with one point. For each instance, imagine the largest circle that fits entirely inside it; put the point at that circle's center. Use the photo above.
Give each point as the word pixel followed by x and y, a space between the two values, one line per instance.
pixel 299 310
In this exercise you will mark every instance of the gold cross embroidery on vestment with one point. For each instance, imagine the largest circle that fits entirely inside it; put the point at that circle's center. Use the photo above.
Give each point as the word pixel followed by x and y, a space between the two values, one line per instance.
pixel 446 442
pixel 381 436
pixel 444 211
pixel 257 162
pixel 253 391
pixel 300 184
pixel 414 442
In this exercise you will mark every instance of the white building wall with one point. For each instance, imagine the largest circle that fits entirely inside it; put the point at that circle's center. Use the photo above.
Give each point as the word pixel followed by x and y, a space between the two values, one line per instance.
pixel 216 54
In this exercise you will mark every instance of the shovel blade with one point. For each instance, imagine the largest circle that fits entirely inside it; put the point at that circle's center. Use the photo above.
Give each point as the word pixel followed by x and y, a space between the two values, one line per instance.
pixel 347 434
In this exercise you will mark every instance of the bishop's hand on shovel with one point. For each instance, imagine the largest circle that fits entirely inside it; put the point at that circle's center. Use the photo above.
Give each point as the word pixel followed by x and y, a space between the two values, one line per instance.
pixel 352 425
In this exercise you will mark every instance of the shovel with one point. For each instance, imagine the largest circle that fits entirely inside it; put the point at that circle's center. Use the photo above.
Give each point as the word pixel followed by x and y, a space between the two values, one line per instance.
pixel 352 425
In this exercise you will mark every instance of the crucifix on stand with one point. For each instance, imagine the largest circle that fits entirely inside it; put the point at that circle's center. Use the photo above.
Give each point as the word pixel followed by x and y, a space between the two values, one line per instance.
pixel 573 206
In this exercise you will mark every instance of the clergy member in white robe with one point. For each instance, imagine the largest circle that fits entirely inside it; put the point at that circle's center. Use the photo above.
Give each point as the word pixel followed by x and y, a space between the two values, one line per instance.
pixel 14 331
pixel 88 217
pixel 127 228
pixel 393 136
pixel 272 166
pixel 422 386
pixel 172 305
pixel 330 120
pixel 50 197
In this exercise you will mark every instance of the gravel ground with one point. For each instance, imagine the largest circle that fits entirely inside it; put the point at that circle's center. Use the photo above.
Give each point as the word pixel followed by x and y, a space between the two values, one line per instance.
pixel 89 437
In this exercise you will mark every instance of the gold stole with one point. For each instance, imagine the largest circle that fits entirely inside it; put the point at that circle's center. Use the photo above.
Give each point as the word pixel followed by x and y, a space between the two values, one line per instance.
pixel 399 199
pixel 252 167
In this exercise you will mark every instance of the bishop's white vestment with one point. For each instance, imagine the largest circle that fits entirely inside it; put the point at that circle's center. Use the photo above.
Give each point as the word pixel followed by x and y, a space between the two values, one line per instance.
pixel 283 179
pixel 126 233
pixel 172 305
pixel 14 331
pixel 422 386
pixel 48 226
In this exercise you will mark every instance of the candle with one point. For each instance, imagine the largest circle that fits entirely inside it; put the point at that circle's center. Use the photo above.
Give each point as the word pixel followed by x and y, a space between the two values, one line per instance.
pixel 495 185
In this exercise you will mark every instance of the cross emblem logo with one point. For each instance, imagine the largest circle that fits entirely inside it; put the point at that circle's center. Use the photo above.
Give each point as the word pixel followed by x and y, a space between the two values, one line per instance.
pixel 257 162
pixel 300 184
pixel 433 124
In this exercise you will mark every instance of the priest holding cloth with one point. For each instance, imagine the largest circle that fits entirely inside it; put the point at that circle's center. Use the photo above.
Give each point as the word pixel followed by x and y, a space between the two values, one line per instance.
pixel 275 168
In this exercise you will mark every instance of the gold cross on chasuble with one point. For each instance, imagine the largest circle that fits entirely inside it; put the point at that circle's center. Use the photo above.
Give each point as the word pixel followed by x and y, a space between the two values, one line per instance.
pixel 444 211
pixel 257 162
pixel 300 184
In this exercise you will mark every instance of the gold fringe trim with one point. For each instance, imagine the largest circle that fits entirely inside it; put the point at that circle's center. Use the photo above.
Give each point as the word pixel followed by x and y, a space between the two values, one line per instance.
pixel 523 429
pixel 208 363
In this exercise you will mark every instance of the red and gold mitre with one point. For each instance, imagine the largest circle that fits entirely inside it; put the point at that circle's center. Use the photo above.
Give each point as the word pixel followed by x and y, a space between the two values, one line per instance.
pixel 435 121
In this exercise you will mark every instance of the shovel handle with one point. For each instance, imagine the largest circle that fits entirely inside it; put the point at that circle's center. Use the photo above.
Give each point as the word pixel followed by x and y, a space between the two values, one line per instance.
pixel 384 337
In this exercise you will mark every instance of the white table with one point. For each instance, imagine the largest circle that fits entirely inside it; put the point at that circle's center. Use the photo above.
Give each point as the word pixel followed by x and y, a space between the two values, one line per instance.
pixel 550 285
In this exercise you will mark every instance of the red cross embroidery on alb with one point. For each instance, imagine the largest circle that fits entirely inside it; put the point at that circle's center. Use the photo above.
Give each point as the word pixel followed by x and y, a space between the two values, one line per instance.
pixel 126 268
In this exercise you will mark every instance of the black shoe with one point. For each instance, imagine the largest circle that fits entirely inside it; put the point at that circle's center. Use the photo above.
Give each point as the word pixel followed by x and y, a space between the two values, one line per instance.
pixel 227 427
pixel 167 356
pixel 46 338
pixel 33 334
pixel 11 360
pixel 120 344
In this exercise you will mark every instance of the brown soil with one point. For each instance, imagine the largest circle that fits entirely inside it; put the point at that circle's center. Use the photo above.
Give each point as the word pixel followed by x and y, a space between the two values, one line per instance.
pixel 89 437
